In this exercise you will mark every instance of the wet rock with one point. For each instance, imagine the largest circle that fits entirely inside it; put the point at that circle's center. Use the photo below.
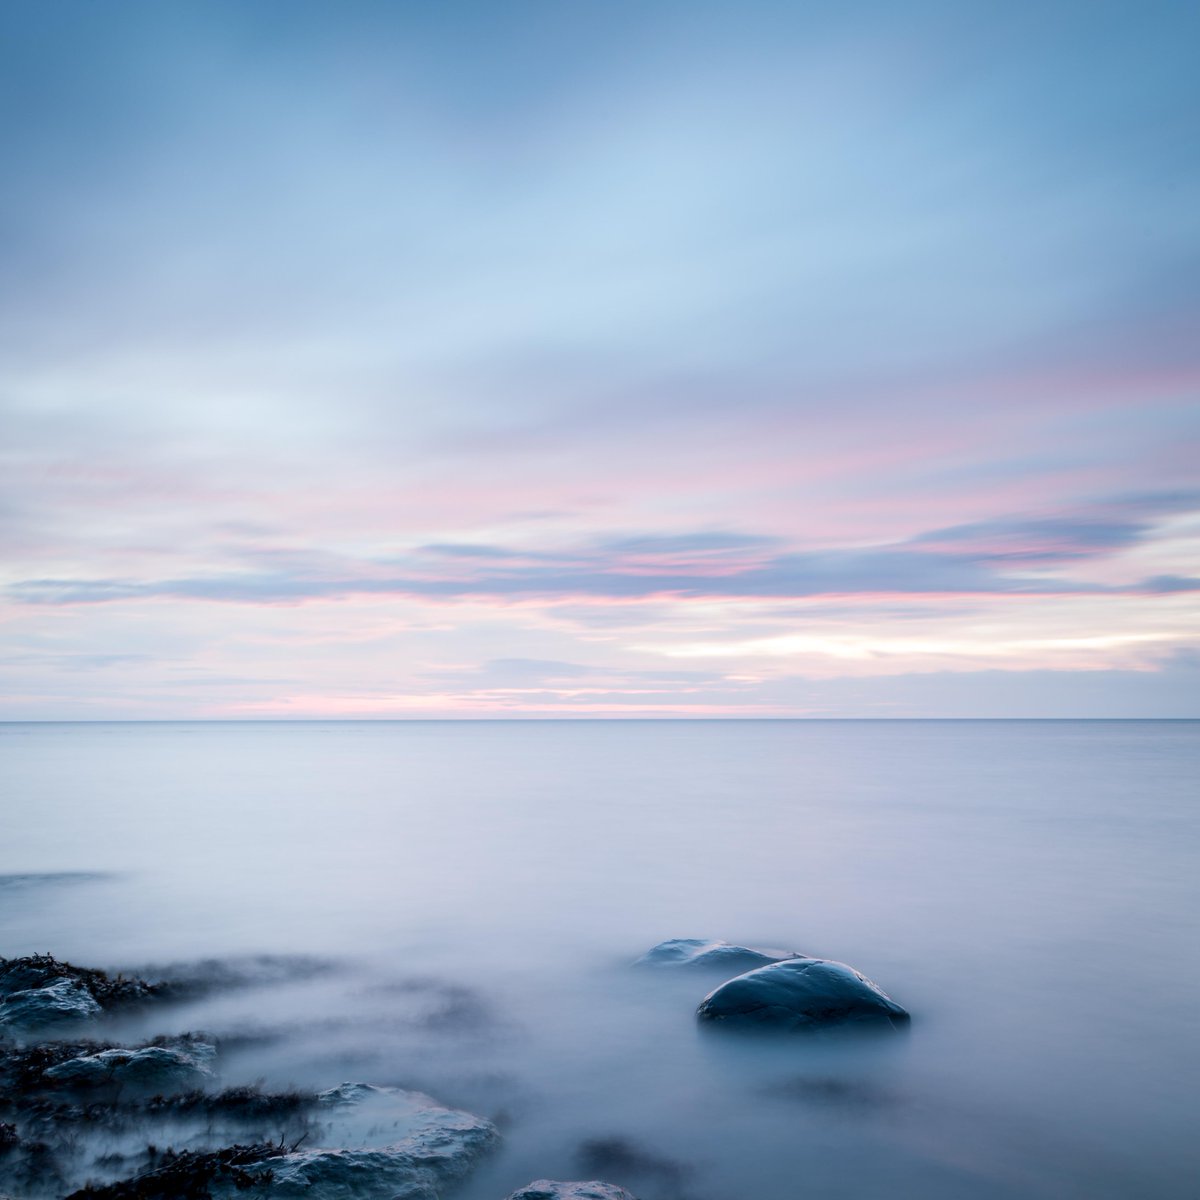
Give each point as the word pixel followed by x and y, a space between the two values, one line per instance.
pixel 801 993
pixel 553 1189
pixel 381 1144
pixel 57 1003
pixel 42 990
pixel 696 952
pixel 153 1069
pixel 346 1175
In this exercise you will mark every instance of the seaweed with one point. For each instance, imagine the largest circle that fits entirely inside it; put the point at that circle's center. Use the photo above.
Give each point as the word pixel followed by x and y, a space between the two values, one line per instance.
pixel 23 1068
pixel 29 1163
pixel 248 1103
pixel 109 991
pixel 48 1125
pixel 188 1174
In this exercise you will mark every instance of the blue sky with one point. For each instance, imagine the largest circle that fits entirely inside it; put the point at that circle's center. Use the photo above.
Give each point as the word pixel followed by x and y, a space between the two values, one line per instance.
pixel 756 359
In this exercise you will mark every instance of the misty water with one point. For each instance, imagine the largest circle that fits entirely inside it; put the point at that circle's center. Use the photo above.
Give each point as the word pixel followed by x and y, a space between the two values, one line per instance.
pixel 465 901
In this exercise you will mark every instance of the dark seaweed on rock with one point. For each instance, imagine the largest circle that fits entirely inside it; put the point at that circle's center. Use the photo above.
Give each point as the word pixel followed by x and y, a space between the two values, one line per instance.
pixel 49 1118
pixel 41 970
pixel 23 1068
pixel 246 1103
pixel 189 1175
pixel 29 1163
pixel 192 980
pixel 180 982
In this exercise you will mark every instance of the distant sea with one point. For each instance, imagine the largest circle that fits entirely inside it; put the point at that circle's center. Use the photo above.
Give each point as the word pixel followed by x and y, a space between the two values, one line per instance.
pixel 476 891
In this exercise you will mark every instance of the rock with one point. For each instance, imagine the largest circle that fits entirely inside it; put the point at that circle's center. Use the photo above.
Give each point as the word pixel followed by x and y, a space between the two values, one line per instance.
pixel 84 991
pixel 56 1003
pixel 348 1175
pixel 159 1070
pixel 381 1144
pixel 553 1189
pixel 696 952
pixel 800 993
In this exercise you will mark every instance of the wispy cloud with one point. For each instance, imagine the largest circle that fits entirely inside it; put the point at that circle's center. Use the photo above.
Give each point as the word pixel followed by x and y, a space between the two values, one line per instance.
pixel 1004 556
pixel 418 362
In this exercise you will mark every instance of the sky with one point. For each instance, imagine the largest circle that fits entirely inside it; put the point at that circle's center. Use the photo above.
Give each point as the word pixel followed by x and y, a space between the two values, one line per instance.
pixel 398 360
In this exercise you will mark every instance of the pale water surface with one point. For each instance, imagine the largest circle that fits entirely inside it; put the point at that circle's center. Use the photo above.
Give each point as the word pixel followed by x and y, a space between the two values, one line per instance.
pixel 1029 890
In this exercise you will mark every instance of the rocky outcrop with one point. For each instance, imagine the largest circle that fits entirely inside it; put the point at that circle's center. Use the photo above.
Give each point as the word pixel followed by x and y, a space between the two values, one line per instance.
pixel 56 1004
pixel 802 993
pixel 553 1189
pixel 158 1070
pixel 380 1144
pixel 40 990
pixel 696 952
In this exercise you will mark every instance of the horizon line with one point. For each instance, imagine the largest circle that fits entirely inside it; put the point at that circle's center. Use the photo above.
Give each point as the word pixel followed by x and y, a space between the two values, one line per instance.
pixel 562 720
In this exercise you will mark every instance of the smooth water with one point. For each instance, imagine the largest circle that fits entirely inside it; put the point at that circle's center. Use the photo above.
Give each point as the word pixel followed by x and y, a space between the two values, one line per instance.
pixel 1028 890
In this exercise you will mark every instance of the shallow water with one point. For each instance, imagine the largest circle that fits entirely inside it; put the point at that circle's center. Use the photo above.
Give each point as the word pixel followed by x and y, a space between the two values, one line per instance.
pixel 1029 891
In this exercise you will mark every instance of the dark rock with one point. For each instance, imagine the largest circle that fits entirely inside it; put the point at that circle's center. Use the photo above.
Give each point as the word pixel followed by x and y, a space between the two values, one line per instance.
pixel 159 1070
pixel 800 993
pixel 58 1003
pixel 553 1189
pixel 42 990
pixel 406 1146
pixel 346 1175
pixel 696 952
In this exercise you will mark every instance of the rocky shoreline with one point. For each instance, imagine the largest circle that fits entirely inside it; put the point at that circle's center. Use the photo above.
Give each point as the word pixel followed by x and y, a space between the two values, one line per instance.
pixel 93 1119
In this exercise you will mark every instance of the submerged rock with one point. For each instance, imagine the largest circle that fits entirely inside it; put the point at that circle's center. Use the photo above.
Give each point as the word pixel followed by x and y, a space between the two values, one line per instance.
pixel 57 1003
pixel 696 952
pixel 553 1189
pixel 801 993
pixel 157 1069
pixel 381 1144
pixel 192 980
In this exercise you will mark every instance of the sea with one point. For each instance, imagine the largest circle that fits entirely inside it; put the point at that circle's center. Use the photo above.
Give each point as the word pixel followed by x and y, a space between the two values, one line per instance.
pixel 457 906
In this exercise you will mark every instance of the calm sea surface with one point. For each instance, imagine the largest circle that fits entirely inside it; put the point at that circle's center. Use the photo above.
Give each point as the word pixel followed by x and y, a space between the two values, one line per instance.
pixel 1029 891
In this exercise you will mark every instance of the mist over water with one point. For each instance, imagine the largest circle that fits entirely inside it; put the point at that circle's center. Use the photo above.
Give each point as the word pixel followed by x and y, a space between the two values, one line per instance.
pixel 455 907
